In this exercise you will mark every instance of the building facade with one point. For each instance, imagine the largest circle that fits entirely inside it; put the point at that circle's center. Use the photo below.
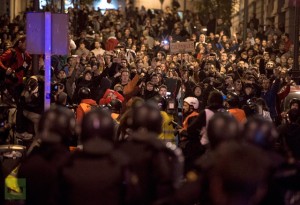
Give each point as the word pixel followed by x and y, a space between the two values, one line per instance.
pixel 279 13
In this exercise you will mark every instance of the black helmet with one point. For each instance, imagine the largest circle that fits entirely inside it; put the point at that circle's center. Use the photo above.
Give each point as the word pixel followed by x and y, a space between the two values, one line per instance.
pixel 159 101
pixel 233 100
pixel 115 106
pixel 84 93
pixel 97 124
pixel 215 98
pixel 222 127
pixel 57 125
pixel 293 101
pixel 260 131
pixel 147 116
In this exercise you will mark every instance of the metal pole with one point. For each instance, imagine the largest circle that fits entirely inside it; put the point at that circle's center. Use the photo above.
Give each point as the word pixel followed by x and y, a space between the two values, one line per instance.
pixel 48 50
pixel 245 20
pixel 62 4
pixel 296 36
pixel 184 9
pixel 35 58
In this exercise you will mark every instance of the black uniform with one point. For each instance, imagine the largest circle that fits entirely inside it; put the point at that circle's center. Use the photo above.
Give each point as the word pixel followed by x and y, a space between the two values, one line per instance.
pixel 93 177
pixel 98 174
pixel 40 170
pixel 50 152
pixel 150 160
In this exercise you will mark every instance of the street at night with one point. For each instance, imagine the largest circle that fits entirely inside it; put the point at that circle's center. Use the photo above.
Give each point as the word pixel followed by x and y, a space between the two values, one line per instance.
pixel 163 102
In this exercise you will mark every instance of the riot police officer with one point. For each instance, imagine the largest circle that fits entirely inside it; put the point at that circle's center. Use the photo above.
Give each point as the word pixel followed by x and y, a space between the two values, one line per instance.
pixel 222 127
pixel 97 174
pixel 153 163
pixel 40 169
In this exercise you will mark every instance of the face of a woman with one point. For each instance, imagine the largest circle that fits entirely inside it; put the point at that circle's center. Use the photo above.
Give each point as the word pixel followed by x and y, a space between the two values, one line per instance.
pixel 197 91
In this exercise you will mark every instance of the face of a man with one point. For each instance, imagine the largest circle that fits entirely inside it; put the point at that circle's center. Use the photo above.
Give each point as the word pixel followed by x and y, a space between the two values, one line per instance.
pixel 295 106
pixel 97 45
pixel 248 90
pixel 186 107
pixel 149 87
pixel 224 57
pixel 238 85
pixel 202 38
pixel 155 80
pixel 266 84
pixel 125 77
pixel 22 45
pixel 62 74
pixel 88 76
pixel 163 92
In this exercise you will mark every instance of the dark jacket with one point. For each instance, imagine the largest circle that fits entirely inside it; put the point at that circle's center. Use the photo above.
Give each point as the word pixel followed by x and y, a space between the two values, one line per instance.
pixel 40 170
pixel 270 97
pixel 151 164
pixel 95 175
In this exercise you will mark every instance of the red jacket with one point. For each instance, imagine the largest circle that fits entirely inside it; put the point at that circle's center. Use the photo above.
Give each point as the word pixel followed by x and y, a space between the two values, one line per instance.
pixel 111 43
pixel 107 99
pixel 15 60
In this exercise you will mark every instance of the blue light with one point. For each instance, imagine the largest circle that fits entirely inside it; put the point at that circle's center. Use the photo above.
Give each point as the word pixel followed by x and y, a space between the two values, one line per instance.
pixel 48 49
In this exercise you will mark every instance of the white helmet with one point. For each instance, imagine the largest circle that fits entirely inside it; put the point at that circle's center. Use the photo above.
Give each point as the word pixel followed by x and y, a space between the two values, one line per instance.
pixel 192 101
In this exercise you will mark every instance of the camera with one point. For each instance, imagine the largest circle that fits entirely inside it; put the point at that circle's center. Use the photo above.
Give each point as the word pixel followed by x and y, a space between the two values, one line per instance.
pixel 56 86
pixel 171 104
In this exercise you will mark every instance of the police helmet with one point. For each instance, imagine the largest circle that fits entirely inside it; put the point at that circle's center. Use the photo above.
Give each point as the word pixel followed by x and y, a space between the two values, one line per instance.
pixel 57 125
pixel 147 116
pixel 222 127
pixel 260 132
pixel 233 100
pixel 84 93
pixel 97 124
pixel 115 105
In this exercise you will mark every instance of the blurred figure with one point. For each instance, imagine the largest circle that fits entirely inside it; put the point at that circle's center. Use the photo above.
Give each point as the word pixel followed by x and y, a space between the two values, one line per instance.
pixel 239 175
pixel 263 134
pixel 86 103
pixel 260 132
pixel 290 132
pixel 293 104
pixel 222 128
pixel 198 127
pixel 190 111
pixel 234 103
pixel 262 109
pixel 99 173
pixel 157 166
pixel 55 131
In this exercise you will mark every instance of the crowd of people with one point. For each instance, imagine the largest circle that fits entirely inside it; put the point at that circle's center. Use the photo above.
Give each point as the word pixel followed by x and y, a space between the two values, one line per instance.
pixel 146 125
